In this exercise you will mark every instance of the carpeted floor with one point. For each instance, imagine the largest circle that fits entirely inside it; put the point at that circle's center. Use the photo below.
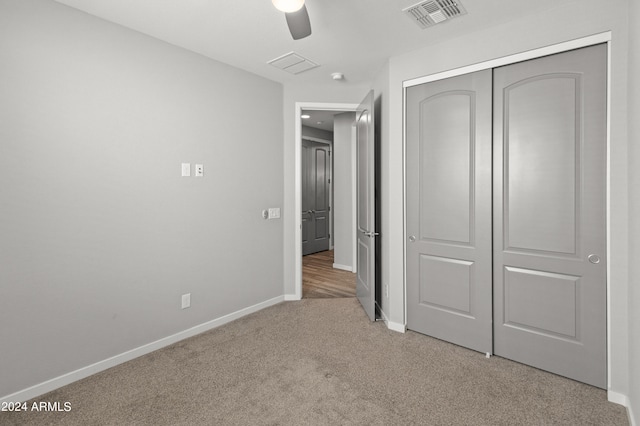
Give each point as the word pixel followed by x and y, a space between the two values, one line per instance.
pixel 321 362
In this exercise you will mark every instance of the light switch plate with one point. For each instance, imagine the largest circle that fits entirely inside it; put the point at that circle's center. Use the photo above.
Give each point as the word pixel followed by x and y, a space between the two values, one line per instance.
pixel 199 170
pixel 274 213
pixel 186 300
pixel 186 169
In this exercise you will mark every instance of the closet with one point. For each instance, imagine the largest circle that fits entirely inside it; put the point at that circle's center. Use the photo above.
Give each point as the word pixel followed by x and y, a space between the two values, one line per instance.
pixel 505 211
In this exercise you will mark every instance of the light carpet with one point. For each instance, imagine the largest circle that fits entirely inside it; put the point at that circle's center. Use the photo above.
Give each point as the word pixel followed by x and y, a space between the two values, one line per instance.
pixel 321 362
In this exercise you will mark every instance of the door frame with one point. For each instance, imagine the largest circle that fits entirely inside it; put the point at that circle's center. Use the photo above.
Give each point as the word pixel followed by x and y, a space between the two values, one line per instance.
pixel 604 37
pixel 297 232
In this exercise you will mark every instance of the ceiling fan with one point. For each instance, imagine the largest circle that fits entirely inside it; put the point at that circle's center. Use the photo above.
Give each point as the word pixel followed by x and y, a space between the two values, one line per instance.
pixel 297 17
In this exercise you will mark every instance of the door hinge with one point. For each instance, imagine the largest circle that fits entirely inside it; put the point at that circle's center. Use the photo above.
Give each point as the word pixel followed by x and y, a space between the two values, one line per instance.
pixel 328 180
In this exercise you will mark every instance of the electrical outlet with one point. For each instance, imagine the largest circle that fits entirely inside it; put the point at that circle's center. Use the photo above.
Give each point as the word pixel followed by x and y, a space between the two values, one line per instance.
pixel 186 300
pixel 199 170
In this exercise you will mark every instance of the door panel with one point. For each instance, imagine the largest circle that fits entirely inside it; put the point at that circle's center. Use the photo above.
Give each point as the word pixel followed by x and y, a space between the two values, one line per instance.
pixel 365 193
pixel 321 205
pixel 540 167
pixel 315 197
pixel 526 290
pixel 452 293
pixel 445 157
pixel 549 213
pixel 307 194
pixel 448 248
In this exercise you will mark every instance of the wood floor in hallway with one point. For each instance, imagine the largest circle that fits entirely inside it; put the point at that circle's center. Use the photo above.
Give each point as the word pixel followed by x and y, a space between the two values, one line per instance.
pixel 321 280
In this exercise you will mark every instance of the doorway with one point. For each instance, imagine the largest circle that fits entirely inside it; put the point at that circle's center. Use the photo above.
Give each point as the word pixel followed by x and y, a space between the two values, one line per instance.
pixel 326 267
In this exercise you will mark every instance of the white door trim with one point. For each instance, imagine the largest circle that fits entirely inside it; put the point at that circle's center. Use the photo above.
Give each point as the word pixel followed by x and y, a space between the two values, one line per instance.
pixel 591 40
pixel 512 59
pixel 346 107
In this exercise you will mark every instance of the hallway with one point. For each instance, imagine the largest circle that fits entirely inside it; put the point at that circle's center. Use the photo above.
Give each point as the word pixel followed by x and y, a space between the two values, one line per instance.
pixel 321 281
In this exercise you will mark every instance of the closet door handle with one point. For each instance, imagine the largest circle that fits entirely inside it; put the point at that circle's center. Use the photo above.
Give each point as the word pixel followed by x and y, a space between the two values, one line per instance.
pixel 594 258
pixel 412 239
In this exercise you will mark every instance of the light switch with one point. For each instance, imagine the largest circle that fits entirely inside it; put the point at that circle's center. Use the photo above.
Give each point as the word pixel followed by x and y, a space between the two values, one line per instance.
pixel 274 213
pixel 199 170
pixel 186 169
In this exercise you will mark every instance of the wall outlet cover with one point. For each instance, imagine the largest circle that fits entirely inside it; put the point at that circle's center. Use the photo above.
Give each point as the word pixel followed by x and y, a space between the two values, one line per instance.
pixel 186 300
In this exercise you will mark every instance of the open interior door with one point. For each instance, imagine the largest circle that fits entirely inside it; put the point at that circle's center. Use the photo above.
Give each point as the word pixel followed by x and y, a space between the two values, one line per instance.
pixel 365 190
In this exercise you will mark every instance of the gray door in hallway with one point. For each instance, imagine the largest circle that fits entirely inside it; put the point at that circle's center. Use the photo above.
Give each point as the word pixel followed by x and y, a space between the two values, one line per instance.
pixel 542 229
pixel 315 196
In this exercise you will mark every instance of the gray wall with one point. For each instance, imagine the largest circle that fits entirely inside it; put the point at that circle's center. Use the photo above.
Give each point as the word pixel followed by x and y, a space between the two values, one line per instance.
pixel 99 234
pixel 634 209
pixel 342 189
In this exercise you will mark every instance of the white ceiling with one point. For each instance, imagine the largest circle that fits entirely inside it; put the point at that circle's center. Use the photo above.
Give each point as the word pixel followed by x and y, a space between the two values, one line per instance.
pixel 354 37
pixel 322 120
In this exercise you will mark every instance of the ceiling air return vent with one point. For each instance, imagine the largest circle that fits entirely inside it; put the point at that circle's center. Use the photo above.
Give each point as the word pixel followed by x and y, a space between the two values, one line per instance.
pixel 292 63
pixel 431 12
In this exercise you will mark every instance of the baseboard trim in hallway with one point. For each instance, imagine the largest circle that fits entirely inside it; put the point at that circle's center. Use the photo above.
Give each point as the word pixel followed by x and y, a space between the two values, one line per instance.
pixel 342 267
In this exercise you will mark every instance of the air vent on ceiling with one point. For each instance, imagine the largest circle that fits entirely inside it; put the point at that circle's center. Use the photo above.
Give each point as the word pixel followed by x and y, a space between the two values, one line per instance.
pixel 431 12
pixel 292 63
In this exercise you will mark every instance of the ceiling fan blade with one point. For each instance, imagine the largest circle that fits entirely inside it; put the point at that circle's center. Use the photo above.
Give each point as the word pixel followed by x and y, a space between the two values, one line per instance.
pixel 299 24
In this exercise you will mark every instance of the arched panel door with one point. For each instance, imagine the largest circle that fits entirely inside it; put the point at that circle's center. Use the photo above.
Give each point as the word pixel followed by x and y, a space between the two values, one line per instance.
pixel 448 244
pixel 315 197
pixel 549 213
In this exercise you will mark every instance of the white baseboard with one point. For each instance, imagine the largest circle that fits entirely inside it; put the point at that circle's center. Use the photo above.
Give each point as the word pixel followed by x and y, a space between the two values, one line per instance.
pixel 393 326
pixel 396 326
pixel 65 379
pixel 342 267
pixel 617 398
pixel 290 297
pixel 621 399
